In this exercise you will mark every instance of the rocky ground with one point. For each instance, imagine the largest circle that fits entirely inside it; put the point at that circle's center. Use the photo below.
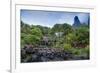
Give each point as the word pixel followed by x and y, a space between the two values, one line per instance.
pixel 47 54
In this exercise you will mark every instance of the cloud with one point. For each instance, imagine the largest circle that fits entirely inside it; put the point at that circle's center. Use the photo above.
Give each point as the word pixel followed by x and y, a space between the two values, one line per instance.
pixel 49 18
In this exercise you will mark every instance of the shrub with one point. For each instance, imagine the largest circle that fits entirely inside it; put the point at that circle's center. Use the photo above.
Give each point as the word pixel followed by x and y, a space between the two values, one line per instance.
pixel 67 47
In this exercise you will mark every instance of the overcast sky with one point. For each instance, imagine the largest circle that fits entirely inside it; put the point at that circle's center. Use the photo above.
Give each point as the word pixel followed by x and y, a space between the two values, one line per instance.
pixel 49 18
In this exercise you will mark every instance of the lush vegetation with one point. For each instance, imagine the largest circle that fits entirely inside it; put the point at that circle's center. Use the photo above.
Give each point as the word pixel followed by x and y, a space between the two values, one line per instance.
pixel 60 36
